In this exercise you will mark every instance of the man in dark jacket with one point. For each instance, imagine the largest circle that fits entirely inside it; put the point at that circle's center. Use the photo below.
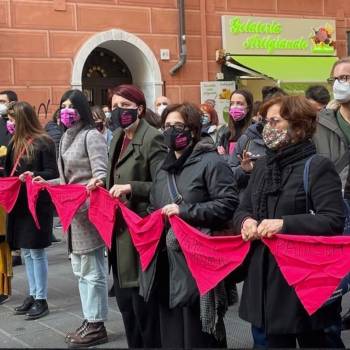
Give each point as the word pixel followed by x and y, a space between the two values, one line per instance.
pixel 332 137
pixel 6 97
pixel 54 131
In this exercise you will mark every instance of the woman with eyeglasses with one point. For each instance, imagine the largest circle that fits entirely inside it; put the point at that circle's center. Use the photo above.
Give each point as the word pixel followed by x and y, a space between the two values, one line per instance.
pixel 206 198
pixel 240 117
pixel 83 160
pixel 136 151
pixel 30 153
pixel 275 203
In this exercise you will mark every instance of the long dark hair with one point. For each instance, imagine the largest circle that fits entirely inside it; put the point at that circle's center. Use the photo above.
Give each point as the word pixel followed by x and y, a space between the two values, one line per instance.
pixel 28 128
pixel 236 129
pixel 80 103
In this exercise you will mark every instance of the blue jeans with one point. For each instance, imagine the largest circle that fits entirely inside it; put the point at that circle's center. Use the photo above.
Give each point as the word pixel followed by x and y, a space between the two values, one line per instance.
pixel 259 337
pixel 91 269
pixel 36 268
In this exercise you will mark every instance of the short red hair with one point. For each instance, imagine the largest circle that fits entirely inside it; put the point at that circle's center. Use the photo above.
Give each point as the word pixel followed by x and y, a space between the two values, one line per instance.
pixel 206 107
pixel 131 93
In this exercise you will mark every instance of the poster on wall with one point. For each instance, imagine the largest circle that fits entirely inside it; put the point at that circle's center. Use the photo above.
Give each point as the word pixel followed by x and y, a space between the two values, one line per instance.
pixel 220 92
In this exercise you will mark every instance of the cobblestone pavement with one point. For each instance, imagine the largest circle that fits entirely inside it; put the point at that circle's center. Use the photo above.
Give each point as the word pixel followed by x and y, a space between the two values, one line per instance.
pixel 65 312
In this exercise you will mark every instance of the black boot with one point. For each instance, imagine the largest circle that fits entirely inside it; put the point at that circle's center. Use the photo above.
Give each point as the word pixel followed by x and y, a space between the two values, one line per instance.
pixel 38 309
pixel 26 305
pixel 3 298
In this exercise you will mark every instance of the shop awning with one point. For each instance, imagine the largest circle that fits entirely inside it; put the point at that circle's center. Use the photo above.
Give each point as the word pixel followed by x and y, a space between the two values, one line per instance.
pixel 288 68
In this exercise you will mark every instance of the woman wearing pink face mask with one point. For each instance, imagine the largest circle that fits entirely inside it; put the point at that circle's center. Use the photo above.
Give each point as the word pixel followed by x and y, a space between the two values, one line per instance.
pixel 83 160
pixel 240 115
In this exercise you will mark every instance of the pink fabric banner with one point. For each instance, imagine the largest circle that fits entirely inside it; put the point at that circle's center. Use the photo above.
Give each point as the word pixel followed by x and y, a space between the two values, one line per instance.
pixel 210 259
pixel 33 190
pixel 9 191
pixel 312 265
pixel 102 213
pixel 145 233
pixel 67 200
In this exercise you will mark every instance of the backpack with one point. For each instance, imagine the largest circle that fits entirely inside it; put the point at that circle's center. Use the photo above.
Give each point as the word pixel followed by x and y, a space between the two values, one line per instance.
pixel 308 199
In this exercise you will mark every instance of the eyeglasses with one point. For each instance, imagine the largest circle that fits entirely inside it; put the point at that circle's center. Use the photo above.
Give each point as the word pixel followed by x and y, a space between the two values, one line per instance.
pixel 178 126
pixel 273 121
pixel 341 79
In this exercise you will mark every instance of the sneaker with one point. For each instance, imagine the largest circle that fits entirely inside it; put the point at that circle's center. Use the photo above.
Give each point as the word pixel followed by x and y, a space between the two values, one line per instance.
pixel 39 309
pixel 93 334
pixel 3 298
pixel 24 308
pixel 77 331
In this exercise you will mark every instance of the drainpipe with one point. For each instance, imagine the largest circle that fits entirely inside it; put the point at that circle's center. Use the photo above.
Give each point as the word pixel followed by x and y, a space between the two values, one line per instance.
pixel 182 38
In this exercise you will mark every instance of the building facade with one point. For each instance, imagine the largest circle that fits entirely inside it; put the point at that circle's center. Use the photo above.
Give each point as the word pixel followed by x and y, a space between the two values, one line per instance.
pixel 48 46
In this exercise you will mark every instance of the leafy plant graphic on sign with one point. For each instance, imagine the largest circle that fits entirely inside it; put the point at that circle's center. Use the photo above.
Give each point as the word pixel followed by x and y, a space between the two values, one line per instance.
pixel 322 40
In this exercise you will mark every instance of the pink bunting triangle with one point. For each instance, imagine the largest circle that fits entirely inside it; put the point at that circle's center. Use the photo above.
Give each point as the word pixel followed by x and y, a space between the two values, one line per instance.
pixel 102 213
pixel 9 191
pixel 145 233
pixel 210 259
pixel 33 190
pixel 67 200
pixel 312 265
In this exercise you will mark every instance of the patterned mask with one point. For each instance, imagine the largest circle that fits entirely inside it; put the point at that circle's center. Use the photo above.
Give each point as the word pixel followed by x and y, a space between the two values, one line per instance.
pixel 275 138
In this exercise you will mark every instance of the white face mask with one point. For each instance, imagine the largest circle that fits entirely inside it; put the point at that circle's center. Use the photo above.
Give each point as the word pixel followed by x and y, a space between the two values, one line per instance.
pixel 341 91
pixel 160 109
pixel 108 115
pixel 3 109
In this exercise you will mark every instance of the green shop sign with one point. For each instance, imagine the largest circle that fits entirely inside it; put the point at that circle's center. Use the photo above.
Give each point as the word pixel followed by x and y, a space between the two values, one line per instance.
pixel 278 36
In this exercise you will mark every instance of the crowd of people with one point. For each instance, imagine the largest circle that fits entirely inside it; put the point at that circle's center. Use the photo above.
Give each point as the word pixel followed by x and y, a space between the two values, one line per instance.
pixel 245 176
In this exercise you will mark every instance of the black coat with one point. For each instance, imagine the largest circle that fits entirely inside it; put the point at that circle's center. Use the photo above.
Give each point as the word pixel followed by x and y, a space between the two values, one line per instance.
pixel 55 132
pixel 209 200
pixel 21 229
pixel 267 300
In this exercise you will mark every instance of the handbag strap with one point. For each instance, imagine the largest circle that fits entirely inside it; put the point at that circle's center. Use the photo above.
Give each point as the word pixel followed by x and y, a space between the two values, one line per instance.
pixel 175 195
pixel 20 155
pixel 306 181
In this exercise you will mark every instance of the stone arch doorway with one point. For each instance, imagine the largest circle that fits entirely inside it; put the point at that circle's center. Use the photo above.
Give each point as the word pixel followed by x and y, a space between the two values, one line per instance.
pixel 138 58
pixel 103 69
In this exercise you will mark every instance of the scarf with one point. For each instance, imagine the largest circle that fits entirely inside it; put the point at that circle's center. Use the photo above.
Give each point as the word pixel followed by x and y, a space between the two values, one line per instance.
pixel 276 161
pixel 172 164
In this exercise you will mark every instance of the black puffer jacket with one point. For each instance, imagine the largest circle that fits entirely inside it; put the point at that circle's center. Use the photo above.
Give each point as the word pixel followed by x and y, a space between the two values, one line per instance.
pixel 209 200
pixel 252 142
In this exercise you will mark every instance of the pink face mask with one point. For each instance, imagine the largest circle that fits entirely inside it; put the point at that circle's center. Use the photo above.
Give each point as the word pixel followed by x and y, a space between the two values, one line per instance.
pixel 69 117
pixel 11 127
pixel 237 113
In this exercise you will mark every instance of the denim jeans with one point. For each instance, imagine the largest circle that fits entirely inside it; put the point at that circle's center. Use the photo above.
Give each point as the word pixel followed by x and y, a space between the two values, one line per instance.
pixel 259 337
pixel 36 268
pixel 91 269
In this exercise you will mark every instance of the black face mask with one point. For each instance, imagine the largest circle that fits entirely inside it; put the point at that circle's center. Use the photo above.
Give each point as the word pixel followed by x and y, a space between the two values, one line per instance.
pixel 176 139
pixel 124 117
